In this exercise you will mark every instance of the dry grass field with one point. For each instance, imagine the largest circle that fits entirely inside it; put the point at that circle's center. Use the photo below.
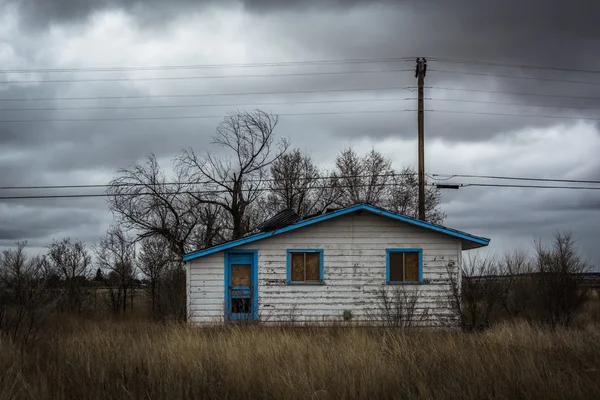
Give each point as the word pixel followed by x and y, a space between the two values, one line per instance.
pixel 84 358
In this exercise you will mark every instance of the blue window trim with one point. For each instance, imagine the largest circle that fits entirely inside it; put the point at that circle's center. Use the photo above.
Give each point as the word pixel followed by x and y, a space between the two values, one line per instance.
pixel 289 266
pixel 254 253
pixel 403 250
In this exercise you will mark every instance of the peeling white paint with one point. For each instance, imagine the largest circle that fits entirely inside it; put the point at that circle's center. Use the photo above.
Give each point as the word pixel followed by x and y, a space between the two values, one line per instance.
pixel 354 272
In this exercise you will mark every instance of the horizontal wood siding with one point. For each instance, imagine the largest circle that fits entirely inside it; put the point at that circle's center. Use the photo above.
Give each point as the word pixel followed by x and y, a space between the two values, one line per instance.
pixel 354 272
pixel 207 289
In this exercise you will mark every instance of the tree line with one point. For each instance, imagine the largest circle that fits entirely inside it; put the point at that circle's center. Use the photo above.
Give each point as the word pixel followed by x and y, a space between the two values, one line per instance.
pixel 245 176
pixel 545 286
pixel 32 288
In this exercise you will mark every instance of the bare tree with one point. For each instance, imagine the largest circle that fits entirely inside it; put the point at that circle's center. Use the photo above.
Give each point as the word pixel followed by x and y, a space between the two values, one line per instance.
pixel 520 301
pixel 172 299
pixel 71 261
pixel 234 182
pixel 209 232
pixel 372 179
pixel 116 253
pixel 479 299
pixel 362 179
pixel 559 288
pixel 296 183
pixel 402 196
pixel 155 261
pixel 144 200
pixel 25 298
pixel 546 289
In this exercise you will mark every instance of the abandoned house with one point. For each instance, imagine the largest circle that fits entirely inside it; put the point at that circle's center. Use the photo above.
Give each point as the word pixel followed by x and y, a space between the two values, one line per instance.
pixel 338 266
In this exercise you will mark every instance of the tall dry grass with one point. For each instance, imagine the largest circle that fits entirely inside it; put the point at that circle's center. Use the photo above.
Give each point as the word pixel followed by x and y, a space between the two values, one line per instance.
pixel 135 359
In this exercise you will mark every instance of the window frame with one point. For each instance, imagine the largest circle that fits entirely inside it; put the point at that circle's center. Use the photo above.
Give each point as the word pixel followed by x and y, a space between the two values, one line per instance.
pixel 289 266
pixel 403 250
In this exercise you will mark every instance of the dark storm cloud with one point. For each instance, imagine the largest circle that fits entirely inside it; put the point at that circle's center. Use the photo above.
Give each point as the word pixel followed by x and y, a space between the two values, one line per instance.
pixel 513 16
pixel 550 33
pixel 60 11
pixel 542 32
pixel 44 13
pixel 32 222
pixel 532 32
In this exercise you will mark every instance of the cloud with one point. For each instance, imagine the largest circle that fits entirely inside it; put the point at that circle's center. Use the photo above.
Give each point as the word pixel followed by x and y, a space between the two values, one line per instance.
pixel 80 34
pixel 39 225
pixel 514 217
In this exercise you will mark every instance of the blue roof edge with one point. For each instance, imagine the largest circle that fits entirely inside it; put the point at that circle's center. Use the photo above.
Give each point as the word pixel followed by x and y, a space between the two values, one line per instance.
pixel 358 207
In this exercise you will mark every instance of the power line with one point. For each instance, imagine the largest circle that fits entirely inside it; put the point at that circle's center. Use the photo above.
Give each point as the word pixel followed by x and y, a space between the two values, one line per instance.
pixel 209 192
pixel 391 175
pixel 511 93
pixel 530 186
pixel 518 178
pixel 91 195
pixel 535 78
pixel 210 66
pixel 170 78
pixel 203 105
pixel 290 64
pixel 510 103
pixel 512 115
pixel 437 177
pixel 194 116
pixel 521 66
pixel 185 192
pixel 184 95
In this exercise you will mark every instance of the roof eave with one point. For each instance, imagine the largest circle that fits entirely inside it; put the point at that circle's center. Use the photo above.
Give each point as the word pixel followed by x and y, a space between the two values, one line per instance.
pixel 471 241
pixel 470 245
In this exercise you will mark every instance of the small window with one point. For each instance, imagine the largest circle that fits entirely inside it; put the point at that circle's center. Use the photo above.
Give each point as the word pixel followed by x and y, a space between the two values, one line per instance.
pixel 305 266
pixel 404 265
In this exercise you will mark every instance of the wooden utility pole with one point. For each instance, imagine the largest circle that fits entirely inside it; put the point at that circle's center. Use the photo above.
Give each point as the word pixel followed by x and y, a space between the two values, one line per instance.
pixel 420 71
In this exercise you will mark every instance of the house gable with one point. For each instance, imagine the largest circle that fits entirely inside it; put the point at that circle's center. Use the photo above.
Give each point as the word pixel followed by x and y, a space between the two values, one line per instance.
pixel 468 241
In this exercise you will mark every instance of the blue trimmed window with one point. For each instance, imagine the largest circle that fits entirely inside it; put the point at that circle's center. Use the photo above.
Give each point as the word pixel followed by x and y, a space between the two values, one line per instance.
pixel 404 266
pixel 305 266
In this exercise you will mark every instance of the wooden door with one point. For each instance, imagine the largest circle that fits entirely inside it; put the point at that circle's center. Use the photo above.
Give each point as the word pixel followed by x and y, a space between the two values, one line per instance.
pixel 241 290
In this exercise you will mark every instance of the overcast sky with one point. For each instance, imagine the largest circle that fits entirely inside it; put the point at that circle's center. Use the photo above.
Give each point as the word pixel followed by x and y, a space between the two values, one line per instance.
pixel 563 142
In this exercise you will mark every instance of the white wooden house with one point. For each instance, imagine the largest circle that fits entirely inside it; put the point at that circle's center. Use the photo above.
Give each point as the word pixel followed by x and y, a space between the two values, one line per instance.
pixel 326 269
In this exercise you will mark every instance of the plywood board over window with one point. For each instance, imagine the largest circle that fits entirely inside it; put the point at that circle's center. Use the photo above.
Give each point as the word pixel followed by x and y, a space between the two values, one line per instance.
pixel 411 266
pixel 404 265
pixel 240 275
pixel 312 263
pixel 297 260
pixel 305 266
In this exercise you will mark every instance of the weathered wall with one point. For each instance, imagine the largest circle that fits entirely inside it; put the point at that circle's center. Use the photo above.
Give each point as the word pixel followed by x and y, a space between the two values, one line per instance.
pixel 354 272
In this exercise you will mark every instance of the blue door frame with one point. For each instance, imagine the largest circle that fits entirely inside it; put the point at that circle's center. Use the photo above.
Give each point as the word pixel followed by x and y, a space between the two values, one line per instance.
pixel 233 294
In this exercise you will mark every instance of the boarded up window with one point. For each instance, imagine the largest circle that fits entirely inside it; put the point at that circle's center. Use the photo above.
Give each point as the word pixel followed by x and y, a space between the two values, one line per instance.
pixel 313 267
pixel 403 266
pixel 411 267
pixel 240 275
pixel 305 266
pixel 297 260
